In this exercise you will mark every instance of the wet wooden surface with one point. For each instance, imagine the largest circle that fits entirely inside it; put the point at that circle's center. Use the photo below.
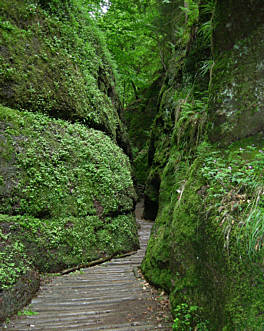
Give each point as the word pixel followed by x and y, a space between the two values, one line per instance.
pixel 110 296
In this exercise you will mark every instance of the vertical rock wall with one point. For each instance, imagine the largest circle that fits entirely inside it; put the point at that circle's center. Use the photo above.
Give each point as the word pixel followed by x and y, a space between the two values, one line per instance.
pixel 206 247
pixel 66 193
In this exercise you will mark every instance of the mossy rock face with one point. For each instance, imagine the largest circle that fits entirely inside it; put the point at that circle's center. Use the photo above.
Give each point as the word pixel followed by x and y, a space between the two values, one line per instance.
pixel 206 246
pixel 139 115
pixel 66 196
pixel 56 62
pixel 52 169
pixel 158 152
pixel 235 20
pixel 138 118
pixel 66 193
pixel 199 250
pixel 236 90
pixel 15 298
pixel 52 245
pixel 178 252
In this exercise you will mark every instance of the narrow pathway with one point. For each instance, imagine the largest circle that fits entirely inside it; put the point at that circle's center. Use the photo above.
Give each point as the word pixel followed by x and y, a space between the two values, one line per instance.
pixel 110 296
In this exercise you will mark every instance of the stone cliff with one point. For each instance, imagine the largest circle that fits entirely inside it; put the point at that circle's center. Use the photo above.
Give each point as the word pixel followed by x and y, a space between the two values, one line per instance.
pixel 66 193
pixel 205 181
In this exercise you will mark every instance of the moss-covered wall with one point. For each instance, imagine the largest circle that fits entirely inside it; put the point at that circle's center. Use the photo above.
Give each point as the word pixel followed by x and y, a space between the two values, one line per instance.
pixel 66 195
pixel 206 247
pixel 55 61
pixel 202 249
pixel 236 91
pixel 54 169
pixel 66 192
pixel 139 117
pixel 235 20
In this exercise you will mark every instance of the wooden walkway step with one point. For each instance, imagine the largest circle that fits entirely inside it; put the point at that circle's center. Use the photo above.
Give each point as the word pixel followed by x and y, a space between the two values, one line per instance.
pixel 103 297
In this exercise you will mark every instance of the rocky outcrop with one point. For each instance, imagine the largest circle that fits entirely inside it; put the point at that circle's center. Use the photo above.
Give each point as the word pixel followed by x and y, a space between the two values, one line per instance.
pixel 65 183
pixel 53 169
pixel 19 295
pixel 54 60
pixel 236 91
pixel 66 195
pixel 206 248
pixel 139 117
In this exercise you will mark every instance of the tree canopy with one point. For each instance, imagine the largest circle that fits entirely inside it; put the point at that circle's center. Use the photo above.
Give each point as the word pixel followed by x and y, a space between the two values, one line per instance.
pixel 133 40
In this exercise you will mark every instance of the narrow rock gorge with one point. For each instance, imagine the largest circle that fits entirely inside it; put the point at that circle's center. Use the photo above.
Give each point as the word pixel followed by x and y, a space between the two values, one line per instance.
pixel 104 103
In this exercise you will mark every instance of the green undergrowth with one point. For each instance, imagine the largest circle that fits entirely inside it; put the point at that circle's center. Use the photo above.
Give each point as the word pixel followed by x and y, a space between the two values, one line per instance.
pixel 53 59
pixel 51 245
pixel 13 260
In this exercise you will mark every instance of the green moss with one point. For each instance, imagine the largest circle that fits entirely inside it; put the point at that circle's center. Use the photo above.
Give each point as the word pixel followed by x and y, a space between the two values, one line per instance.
pixel 139 117
pixel 201 249
pixel 54 244
pixel 236 98
pixel 57 66
pixel 66 193
pixel 72 190
pixel 56 169
pixel 206 247
pixel 13 260
pixel 140 165
pixel 156 261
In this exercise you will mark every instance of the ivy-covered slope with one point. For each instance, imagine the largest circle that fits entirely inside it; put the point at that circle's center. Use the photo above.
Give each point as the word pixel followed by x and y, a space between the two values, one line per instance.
pixel 206 247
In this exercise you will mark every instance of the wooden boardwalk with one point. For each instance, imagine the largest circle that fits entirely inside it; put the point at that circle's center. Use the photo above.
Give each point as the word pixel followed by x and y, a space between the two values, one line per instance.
pixel 110 296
